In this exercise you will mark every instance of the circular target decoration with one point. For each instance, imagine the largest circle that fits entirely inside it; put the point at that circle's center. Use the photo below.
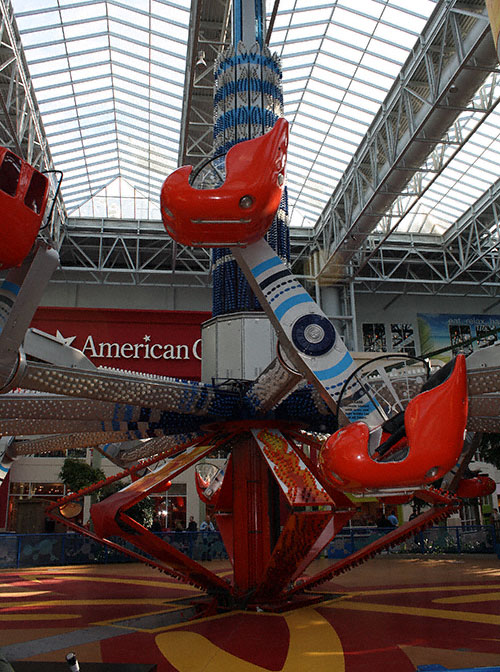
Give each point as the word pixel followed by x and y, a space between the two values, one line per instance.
pixel 313 334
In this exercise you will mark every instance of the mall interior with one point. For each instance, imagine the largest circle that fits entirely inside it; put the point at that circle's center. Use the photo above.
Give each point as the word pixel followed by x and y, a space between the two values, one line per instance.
pixel 151 335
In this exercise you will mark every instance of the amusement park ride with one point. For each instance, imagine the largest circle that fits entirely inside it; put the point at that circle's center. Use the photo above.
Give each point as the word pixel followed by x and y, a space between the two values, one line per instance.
pixel 311 433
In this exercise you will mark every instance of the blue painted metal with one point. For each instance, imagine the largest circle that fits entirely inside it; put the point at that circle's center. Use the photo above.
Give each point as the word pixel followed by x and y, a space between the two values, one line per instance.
pixel 52 549
pixel 441 668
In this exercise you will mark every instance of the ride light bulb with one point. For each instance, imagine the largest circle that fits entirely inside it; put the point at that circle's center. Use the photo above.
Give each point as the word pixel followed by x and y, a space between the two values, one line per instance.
pixel 246 202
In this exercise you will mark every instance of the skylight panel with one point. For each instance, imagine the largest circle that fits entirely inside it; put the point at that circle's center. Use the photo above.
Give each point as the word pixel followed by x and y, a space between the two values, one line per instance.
pixel 281 25
pixel 65 129
pixel 70 135
pixel 55 93
pixel 91 58
pixel 39 38
pixel 305 140
pixel 299 170
pixel 483 137
pixel 422 10
pixel 85 29
pixel 170 38
pixel 339 154
pixel 27 20
pixel 298 60
pixel 131 32
pixel 385 66
pixel 362 104
pixel 171 11
pixel 41 71
pixel 313 136
pixel 59 109
pixel 339 68
pixel 313 15
pixel 388 52
pixel 314 98
pixel 369 89
pixel 347 51
pixel 82 9
pixel 129 15
pixel 354 21
pixel 88 84
pixel 320 125
pixel 484 170
pixel 91 43
pixel 46 51
pixel 129 47
pixel 300 152
pixel 411 18
pixel 308 44
pixel 165 79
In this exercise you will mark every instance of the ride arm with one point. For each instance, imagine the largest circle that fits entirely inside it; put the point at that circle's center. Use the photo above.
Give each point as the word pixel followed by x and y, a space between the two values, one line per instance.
pixel 310 341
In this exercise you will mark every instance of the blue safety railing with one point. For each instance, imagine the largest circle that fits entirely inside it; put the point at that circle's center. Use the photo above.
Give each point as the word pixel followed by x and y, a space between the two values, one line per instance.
pixel 439 539
pixel 37 550
pixel 40 550
pixel 441 668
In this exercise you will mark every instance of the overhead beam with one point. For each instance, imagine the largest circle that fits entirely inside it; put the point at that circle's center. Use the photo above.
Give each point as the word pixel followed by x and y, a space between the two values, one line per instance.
pixel 454 56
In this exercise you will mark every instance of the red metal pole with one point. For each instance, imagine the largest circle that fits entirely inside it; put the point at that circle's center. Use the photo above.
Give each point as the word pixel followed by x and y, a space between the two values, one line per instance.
pixel 251 528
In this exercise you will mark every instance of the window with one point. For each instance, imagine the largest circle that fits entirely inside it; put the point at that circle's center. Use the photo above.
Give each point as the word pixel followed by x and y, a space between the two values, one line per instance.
pixel 374 339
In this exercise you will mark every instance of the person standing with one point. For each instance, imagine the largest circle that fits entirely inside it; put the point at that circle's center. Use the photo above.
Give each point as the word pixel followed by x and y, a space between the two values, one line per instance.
pixel 207 528
pixel 382 521
pixel 207 525
pixel 393 519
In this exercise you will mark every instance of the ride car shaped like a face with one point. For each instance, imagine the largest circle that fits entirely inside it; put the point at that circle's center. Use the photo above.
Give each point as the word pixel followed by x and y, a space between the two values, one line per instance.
pixel 242 208
pixel 23 199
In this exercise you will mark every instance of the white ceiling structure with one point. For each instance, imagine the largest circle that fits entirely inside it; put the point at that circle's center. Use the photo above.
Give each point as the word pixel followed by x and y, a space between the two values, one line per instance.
pixel 109 80
pixel 123 86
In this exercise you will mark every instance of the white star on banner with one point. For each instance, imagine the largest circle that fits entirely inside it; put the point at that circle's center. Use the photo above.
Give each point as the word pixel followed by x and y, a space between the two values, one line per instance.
pixel 64 341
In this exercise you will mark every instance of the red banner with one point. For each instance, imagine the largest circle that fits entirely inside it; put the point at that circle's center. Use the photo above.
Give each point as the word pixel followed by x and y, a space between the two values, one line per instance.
pixel 162 342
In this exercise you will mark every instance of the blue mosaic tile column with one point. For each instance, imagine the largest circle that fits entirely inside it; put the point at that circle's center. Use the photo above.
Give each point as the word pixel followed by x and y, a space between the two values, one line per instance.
pixel 248 100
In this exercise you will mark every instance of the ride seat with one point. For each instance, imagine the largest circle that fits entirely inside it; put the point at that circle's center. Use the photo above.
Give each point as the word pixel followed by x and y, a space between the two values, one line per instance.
pixel 395 426
pixel 23 199
pixel 428 438
pixel 241 210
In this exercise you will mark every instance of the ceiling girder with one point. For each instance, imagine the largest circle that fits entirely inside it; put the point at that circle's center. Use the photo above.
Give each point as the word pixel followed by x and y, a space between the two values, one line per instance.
pixel 464 261
pixel 208 35
pixel 130 252
pixel 21 128
pixel 454 56
pixel 455 51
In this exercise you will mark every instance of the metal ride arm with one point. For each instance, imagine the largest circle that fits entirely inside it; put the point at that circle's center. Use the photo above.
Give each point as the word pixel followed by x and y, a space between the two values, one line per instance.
pixel 20 294
pixel 309 339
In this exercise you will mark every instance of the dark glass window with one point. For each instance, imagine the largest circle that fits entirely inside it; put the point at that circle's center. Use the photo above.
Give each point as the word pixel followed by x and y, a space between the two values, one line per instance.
pixel 9 173
pixel 36 190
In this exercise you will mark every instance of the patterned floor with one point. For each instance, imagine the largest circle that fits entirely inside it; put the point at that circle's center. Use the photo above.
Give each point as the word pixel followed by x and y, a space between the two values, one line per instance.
pixel 393 613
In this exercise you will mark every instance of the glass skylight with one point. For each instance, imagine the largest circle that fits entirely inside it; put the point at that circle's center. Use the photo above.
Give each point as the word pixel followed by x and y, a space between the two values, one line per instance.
pixel 109 79
pixel 334 87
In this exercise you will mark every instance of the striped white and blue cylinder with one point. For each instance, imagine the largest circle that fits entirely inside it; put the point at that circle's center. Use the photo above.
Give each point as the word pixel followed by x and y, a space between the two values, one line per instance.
pixel 248 100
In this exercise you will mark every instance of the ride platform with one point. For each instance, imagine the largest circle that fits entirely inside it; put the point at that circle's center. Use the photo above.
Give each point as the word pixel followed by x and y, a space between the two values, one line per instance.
pixel 395 613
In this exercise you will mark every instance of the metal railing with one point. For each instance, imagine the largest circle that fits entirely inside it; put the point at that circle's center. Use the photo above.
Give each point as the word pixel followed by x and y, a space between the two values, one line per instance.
pixel 439 539
pixel 53 549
